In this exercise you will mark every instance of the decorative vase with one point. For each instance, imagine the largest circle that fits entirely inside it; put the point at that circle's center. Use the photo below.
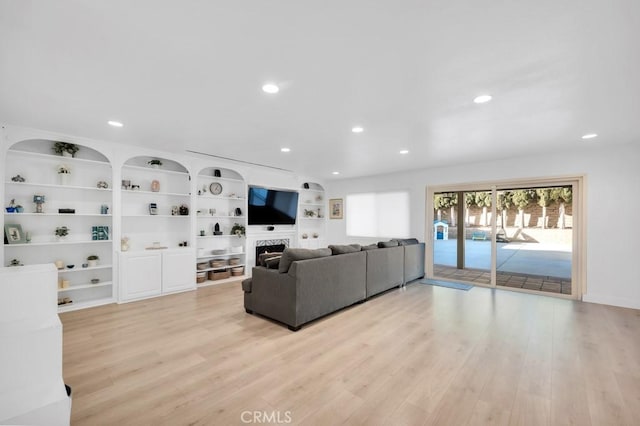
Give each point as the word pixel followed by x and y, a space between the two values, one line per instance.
pixel 67 154
pixel 92 263
pixel 155 186
pixel 124 245
pixel 63 178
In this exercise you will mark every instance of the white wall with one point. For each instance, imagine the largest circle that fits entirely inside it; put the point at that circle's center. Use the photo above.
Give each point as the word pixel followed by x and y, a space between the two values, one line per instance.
pixel 612 234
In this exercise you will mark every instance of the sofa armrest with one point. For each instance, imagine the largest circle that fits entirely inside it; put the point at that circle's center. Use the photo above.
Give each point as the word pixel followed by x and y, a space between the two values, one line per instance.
pixel 272 294
pixel 413 262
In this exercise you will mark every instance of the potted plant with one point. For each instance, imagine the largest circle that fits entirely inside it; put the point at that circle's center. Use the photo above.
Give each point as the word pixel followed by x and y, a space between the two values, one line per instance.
pixel 11 208
pixel 124 243
pixel 238 230
pixel 154 163
pixel 62 232
pixel 92 260
pixel 65 149
pixel 19 208
pixel 64 172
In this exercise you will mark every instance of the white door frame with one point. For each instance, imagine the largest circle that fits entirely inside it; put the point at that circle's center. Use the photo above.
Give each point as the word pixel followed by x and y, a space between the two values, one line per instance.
pixel 579 249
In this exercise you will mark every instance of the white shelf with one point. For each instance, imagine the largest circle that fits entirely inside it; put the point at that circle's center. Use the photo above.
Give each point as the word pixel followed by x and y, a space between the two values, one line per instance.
pixel 220 268
pixel 212 256
pixel 156 215
pixel 55 243
pixel 51 185
pixel 222 281
pixel 312 218
pixel 80 269
pixel 43 156
pixel 220 178
pixel 312 190
pixel 154 170
pixel 170 194
pixel 220 217
pixel 57 214
pixel 200 237
pixel 84 286
pixel 312 204
pixel 82 305
pixel 220 197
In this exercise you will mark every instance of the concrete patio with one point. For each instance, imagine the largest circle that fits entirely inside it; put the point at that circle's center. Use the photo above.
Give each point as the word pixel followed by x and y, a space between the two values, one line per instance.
pixel 534 266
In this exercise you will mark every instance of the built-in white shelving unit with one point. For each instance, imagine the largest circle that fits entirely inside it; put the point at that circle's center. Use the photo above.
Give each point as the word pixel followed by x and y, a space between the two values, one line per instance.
pixel 311 216
pixel 32 169
pixel 222 201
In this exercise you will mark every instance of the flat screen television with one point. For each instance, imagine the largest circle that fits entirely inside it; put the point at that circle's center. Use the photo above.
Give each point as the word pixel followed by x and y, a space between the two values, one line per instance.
pixel 272 206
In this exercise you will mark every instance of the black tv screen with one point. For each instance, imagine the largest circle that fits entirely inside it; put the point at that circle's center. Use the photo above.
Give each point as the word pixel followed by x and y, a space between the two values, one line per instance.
pixel 272 206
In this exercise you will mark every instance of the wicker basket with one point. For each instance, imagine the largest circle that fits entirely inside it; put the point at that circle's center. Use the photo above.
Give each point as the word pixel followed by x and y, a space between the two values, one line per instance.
pixel 218 263
pixel 237 271
pixel 201 277
pixel 219 275
pixel 202 265
pixel 234 261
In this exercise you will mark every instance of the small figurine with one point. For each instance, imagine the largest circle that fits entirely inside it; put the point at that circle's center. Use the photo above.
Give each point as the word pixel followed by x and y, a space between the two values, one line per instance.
pixel 18 178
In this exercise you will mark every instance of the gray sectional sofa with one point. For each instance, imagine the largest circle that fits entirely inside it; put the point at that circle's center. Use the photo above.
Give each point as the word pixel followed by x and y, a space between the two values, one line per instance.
pixel 302 285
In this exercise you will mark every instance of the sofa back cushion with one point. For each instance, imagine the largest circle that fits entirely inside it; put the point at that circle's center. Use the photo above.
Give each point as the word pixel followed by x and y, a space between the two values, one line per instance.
pixel 351 248
pixel 370 247
pixel 290 255
pixel 408 241
pixel 386 244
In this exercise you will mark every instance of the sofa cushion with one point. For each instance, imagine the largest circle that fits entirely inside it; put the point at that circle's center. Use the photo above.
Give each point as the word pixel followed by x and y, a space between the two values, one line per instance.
pixel 344 249
pixel 262 257
pixel 370 247
pixel 385 244
pixel 292 254
pixel 273 262
pixel 246 285
pixel 408 241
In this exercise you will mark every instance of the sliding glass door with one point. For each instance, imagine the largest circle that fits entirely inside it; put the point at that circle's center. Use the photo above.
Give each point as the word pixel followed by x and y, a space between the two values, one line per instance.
pixel 519 235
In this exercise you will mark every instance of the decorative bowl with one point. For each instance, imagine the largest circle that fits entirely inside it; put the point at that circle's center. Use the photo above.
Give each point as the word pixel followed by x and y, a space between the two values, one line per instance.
pixel 95 280
pixel 70 266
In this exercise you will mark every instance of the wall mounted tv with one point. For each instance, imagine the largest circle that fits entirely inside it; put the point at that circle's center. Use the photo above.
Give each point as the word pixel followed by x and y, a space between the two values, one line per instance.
pixel 272 206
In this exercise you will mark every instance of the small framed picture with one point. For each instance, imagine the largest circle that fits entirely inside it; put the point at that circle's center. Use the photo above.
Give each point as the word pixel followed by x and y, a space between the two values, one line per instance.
pixel 13 234
pixel 336 208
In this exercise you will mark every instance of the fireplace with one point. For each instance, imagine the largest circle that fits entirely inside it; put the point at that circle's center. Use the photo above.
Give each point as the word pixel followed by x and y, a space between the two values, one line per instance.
pixel 270 246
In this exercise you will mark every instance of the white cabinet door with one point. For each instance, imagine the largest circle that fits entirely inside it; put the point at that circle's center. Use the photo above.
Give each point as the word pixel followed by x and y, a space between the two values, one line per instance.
pixel 140 275
pixel 177 270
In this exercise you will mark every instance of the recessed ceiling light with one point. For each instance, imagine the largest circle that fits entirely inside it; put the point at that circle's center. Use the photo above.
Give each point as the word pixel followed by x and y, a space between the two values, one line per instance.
pixel 357 129
pixel 115 123
pixel 590 136
pixel 270 88
pixel 285 149
pixel 404 151
pixel 335 173
pixel 482 99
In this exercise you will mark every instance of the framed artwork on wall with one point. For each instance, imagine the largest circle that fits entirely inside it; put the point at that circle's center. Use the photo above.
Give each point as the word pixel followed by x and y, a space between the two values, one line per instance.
pixel 13 234
pixel 336 208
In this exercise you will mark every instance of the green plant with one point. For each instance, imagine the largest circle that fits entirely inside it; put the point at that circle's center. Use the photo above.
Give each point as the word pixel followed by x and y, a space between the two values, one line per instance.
pixel 62 231
pixel 309 213
pixel 154 162
pixel 238 230
pixel 93 257
pixel 64 169
pixel 60 147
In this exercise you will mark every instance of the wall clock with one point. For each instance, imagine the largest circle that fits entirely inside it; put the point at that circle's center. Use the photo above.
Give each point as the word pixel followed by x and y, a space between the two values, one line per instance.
pixel 215 188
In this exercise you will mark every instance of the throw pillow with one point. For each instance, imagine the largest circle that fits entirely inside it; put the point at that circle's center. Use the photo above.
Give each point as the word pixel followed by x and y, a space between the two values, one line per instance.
pixel 408 241
pixel 370 247
pixel 292 254
pixel 273 262
pixel 351 248
pixel 385 244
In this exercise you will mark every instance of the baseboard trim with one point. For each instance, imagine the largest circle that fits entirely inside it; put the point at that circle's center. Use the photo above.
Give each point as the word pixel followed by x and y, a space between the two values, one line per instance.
pixel 613 301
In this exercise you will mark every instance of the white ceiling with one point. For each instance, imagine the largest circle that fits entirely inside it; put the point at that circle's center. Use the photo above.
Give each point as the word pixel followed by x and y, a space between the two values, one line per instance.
pixel 186 75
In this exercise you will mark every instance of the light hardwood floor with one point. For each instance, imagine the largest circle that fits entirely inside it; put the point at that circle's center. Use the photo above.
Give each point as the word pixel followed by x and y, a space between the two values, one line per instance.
pixel 419 356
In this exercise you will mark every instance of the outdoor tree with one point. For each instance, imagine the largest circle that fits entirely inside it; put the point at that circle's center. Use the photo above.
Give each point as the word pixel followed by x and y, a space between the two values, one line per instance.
pixel 483 199
pixel 544 199
pixel 562 196
pixel 469 201
pixel 521 199
pixel 503 204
